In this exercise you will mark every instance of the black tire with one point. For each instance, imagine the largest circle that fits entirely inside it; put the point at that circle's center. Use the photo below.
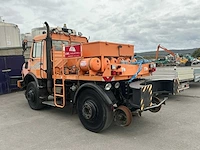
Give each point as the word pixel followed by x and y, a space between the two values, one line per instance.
pixel 93 113
pixel 32 95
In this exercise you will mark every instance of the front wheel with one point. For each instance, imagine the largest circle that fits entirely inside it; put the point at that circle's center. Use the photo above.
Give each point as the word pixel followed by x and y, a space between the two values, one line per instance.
pixel 93 113
pixel 32 95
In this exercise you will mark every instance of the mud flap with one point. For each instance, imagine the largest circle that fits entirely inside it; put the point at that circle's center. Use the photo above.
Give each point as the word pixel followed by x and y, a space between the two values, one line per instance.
pixel 20 84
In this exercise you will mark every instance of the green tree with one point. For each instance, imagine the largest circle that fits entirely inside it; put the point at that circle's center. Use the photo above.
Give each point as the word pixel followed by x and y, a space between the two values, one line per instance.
pixel 196 53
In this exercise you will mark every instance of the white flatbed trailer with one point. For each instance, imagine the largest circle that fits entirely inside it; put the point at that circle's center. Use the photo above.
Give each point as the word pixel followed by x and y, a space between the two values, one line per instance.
pixel 172 79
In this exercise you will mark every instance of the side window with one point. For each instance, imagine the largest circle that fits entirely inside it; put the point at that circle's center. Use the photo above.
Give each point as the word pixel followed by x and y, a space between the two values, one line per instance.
pixel 57 45
pixel 37 49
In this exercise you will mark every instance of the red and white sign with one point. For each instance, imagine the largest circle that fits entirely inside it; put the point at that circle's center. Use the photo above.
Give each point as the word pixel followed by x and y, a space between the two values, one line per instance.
pixel 73 51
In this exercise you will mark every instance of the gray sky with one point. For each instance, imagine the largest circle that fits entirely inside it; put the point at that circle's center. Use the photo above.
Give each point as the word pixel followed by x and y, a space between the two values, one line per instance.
pixel 144 23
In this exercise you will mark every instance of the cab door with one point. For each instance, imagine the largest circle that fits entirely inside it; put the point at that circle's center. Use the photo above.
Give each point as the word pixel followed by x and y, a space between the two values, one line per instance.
pixel 37 59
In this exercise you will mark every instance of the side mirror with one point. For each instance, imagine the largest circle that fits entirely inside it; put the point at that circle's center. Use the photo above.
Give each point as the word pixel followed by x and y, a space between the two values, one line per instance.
pixel 24 45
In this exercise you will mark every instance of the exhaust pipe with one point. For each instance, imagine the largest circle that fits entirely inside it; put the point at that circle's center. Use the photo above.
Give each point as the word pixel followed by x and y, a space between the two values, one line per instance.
pixel 48 59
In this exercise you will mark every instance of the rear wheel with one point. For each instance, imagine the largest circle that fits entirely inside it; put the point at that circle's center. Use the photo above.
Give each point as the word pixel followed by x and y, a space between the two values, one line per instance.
pixel 32 95
pixel 93 113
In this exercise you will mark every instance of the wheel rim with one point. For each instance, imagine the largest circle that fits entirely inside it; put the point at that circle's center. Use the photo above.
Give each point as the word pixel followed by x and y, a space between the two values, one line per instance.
pixel 31 95
pixel 93 112
pixel 89 110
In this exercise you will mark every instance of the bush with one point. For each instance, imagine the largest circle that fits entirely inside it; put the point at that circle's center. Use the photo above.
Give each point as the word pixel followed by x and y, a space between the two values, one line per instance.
pixel 196 53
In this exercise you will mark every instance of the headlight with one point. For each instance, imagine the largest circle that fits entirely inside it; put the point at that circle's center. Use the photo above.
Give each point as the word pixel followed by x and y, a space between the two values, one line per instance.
pixel 117 84
pixel 108 86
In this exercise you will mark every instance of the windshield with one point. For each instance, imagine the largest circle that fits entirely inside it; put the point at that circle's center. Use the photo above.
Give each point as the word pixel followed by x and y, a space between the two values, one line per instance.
pixel 57 45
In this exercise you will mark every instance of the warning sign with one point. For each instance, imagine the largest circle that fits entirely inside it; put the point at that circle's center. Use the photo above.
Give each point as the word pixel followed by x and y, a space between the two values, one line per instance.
pixel 73 51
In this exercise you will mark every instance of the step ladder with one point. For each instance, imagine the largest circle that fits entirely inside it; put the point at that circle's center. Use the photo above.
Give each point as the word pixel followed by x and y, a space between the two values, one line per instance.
pixel 59 82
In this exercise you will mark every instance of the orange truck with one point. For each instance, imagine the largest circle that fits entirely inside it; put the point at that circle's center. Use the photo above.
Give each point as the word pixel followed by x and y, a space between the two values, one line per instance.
pixel 102 80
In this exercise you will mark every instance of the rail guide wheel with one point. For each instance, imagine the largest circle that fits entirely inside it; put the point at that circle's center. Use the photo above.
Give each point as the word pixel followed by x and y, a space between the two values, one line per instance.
pixel 156 101
pixel 123 116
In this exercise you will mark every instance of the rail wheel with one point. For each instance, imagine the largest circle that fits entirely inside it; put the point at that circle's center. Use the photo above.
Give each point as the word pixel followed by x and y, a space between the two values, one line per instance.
pixel 123 116
pixel 155 100
pixel 93 113
pixel 32 95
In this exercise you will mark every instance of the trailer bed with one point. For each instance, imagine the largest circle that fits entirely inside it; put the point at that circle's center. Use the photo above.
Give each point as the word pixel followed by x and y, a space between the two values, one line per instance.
pixel 183 74
pixel 196 73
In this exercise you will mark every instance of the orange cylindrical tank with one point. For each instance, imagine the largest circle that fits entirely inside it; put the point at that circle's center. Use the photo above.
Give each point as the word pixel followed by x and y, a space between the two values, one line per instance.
pixel 113 60
pixel 87 64
pixel 128 60
pixel 119 60
pixel 133 60
pixel 106 63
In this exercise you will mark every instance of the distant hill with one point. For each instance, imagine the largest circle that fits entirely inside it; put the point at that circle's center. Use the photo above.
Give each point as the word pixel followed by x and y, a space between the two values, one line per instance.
pixel 162 53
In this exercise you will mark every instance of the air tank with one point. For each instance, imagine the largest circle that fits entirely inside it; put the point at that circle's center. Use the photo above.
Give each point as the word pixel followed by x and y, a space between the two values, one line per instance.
pixel 87 64
pixel 9 35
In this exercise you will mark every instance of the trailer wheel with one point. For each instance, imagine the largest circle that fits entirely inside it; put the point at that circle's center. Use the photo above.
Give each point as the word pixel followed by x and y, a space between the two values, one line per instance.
pixel 93 113
pixel 155 100
pixel 32 95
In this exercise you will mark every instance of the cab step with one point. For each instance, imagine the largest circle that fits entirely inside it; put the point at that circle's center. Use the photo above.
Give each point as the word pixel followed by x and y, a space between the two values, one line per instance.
pixel 59 85
pixel 51 103
pixel 59 95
